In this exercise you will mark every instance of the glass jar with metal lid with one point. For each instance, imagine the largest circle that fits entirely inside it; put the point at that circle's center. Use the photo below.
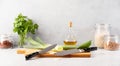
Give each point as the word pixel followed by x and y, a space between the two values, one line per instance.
pixel 111 42
pixel 100 32
pixel 6 41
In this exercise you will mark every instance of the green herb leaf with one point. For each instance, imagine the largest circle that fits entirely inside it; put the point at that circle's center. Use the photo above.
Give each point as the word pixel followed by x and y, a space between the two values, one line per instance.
pixel 23 25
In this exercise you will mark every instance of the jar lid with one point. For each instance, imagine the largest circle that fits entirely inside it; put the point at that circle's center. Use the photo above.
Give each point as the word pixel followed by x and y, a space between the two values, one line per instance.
pixel 111 36
pixel 101 25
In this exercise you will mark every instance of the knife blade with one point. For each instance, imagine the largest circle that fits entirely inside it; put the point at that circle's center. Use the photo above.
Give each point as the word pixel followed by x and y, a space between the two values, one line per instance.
pixel 72 51
pixel 40 52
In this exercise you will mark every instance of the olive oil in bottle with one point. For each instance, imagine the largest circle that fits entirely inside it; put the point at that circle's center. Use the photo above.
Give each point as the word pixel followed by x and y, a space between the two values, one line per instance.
pixel 70 40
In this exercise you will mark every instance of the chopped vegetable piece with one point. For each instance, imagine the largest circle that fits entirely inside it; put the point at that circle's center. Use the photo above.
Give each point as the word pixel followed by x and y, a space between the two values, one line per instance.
pixel 33 42
pixel 38 39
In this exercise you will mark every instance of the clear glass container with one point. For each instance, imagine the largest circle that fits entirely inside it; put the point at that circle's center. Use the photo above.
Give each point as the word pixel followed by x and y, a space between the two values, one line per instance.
pixel 6 41
pixel 111 42
pixel 70 39
pixel 100 32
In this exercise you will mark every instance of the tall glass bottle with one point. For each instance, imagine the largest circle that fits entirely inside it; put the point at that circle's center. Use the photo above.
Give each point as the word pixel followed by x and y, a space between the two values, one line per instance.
pixel 70 39
pixel 101 31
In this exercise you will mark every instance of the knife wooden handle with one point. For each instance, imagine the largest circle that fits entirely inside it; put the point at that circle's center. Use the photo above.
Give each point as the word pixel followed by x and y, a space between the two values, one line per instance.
pixel 27 57
pixel 90 49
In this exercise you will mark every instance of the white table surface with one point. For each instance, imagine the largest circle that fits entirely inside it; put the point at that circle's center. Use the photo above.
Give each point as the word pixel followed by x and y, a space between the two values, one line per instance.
pixel 101 57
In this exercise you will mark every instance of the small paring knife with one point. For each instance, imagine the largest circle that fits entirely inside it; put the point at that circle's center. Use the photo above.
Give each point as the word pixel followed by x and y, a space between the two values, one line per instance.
pixel 40 52
pixel 72 51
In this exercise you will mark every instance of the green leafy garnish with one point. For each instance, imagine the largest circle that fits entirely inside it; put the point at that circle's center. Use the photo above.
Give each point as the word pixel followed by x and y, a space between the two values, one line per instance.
pixel 23 26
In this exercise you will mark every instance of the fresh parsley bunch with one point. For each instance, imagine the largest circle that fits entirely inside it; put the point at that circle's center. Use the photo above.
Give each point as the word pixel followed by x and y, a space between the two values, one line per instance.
pixel 22 26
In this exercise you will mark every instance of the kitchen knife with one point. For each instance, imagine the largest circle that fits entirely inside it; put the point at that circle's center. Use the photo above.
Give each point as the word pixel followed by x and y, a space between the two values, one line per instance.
pixel 67 52
pixel 40 52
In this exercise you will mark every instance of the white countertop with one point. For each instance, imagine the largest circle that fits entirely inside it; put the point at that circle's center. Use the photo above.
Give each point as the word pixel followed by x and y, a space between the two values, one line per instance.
pixel 101 57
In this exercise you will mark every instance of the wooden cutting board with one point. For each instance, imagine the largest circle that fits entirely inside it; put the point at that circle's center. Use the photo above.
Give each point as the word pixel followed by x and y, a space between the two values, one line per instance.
pixel 87 54
pixel 51 54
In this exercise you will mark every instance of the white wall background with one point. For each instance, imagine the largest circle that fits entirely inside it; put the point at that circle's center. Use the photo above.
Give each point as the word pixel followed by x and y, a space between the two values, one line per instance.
pixel 53 16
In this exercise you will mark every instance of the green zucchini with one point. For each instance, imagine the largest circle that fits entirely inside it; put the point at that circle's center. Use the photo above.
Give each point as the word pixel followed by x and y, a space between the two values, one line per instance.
pixel 85 45
pixel 67 47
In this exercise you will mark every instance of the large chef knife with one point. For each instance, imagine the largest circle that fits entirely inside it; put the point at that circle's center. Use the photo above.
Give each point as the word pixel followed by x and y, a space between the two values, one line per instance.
pixel 72 51
pixel 40 52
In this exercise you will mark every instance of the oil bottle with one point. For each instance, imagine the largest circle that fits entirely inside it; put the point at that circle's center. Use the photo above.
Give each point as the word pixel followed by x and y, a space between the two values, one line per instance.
pixel 70 39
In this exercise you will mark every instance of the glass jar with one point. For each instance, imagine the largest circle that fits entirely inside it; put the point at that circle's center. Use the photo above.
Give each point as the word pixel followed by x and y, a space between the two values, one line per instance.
pixel 6 41
pixel 101 31
pixel 111 42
